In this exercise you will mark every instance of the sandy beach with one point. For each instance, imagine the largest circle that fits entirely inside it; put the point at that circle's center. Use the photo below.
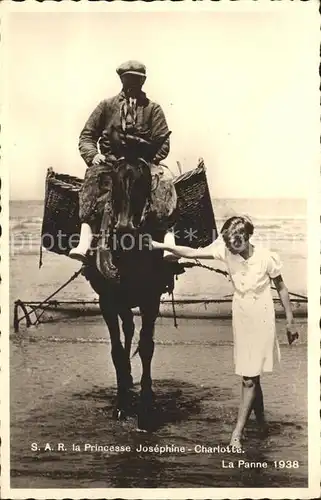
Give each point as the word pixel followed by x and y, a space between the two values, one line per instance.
pixel 63 388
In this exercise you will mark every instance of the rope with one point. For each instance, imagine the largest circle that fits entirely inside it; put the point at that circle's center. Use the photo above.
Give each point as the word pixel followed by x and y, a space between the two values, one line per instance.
pixel 50 174
pixel 209 268
pixel 225 273
pixel 174 311
pixel 72 278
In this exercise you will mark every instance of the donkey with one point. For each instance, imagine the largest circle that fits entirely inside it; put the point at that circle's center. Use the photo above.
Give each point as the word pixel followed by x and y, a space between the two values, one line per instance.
pixel 126 274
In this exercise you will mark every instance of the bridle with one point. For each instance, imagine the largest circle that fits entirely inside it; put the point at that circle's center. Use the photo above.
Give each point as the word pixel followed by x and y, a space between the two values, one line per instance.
pixel 147 205
pixel 148 201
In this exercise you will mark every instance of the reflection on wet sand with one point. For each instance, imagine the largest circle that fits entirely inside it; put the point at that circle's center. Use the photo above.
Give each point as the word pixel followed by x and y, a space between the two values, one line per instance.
pixel 64 393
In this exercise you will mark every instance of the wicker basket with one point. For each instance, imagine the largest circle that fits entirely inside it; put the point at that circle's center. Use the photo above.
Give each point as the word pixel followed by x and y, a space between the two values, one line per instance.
pixel 60 227
pixel 196 226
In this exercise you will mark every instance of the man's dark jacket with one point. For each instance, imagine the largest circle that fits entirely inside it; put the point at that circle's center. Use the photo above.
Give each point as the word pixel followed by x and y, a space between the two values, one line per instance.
pixel 150 125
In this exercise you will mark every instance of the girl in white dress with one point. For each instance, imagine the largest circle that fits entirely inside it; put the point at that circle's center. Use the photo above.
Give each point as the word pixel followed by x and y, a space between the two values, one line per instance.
pixel 251 270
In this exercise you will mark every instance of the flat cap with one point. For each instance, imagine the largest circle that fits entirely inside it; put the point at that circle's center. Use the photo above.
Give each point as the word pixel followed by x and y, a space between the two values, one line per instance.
pixel 133 67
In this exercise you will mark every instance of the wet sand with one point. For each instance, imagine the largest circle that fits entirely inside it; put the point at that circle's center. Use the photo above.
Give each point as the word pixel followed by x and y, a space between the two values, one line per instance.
pixel 63 388
pixel 63 380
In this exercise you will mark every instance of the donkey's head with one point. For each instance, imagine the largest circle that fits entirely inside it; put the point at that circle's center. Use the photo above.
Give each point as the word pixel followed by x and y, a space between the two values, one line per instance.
pixel 132 180
pixel 132 185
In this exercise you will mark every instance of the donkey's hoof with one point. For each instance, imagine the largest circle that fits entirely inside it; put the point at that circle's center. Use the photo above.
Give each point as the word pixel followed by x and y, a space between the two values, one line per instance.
pixel 145 420
pixel 147 398
pixel 130 383
pixel 119 414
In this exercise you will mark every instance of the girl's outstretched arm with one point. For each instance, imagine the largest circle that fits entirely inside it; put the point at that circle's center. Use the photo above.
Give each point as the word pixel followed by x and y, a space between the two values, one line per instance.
pixel 182 251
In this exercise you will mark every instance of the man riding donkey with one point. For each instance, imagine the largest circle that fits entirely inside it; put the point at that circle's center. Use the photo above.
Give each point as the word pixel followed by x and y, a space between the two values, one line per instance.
pixel 129 118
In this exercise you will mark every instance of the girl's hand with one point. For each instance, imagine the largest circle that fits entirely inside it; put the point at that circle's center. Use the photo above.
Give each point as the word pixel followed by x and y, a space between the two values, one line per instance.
pixel 291 332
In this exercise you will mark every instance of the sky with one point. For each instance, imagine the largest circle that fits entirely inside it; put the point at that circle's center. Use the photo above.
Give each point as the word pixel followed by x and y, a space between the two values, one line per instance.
pixel 239 89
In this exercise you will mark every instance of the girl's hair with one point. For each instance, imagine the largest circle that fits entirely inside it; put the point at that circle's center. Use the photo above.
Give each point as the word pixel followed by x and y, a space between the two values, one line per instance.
pixel 237 224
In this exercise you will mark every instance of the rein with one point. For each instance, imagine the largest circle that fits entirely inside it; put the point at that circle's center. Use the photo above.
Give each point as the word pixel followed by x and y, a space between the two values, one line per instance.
pixel 145 211
pixel 148 201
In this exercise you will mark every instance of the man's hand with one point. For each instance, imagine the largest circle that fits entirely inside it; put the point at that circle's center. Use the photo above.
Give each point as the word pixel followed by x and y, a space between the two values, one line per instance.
pixel 98 159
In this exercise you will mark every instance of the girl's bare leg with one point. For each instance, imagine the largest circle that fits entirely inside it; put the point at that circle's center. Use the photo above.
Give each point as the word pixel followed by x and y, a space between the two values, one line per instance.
pixel 246 405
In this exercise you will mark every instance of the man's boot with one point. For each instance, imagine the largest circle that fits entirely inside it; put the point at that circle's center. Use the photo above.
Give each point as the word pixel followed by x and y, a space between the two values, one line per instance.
pixel 80 251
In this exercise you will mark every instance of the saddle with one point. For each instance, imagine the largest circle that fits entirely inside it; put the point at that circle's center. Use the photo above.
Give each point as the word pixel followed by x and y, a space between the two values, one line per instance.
pixel 163 201
pixel 160 216
pixel 163 196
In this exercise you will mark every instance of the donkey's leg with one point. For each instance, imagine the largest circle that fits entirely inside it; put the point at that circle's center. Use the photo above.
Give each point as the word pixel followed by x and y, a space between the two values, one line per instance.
pixel 128 326
pixel 149 312
pixel 110 314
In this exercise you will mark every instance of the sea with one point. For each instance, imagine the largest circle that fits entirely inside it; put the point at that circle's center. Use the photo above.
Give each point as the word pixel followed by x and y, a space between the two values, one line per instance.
pixel 280 224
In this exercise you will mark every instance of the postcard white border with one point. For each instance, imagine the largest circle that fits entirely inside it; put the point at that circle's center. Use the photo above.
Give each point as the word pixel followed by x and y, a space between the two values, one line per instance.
pixel 314 283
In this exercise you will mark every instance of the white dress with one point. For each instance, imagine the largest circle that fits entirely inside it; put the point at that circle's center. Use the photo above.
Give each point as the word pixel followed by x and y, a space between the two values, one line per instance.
pixel 253 314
